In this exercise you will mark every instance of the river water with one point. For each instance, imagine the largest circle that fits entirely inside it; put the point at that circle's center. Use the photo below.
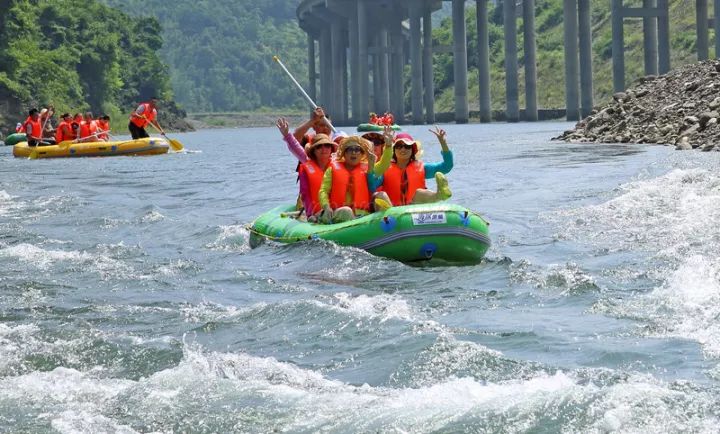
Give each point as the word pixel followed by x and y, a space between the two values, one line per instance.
pixel 130 300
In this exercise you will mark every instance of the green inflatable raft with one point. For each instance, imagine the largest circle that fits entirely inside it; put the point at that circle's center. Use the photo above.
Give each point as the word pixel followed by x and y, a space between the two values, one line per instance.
pixel 14 139
pixel 432 234
pixel 365 128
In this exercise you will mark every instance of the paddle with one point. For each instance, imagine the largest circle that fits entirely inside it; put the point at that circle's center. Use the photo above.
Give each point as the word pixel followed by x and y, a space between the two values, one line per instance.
pixel 300 88
pixel 176 145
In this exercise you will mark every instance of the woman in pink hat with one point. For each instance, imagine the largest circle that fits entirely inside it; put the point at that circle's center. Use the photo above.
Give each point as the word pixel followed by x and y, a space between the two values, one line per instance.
pixel 403 183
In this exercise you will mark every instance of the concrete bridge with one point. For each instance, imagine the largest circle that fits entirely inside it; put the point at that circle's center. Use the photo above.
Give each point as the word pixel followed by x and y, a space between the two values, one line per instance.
pixel 363 47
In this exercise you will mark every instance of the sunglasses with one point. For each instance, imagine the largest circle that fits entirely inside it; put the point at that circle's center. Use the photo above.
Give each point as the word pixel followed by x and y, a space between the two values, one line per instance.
pixel 354 149
pixel 403 146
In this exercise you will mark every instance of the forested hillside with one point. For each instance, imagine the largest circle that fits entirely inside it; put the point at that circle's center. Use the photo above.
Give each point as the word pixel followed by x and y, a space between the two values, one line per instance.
pixel 220 51
pixel 77 55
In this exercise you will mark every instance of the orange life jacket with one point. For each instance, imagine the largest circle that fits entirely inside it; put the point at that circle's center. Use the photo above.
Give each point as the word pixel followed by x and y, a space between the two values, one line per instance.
pixel 314 175
pixel 149 114
pixel 87 129
pixel 102 126
pixel 341 180
pixel 399 193
pixel 64 132
pixel 36 128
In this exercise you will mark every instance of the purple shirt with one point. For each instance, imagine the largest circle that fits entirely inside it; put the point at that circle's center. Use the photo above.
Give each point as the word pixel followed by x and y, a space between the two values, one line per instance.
pixel 297 150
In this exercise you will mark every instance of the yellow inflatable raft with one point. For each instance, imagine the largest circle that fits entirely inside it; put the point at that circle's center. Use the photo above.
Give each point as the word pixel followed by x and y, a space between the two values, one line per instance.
pixel 147 146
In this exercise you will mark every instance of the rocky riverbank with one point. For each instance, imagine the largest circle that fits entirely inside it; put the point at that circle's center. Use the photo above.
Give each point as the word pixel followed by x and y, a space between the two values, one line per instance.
pixel 680 108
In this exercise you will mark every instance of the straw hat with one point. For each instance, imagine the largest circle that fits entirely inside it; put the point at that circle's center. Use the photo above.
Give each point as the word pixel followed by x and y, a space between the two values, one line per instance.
pixel 365 144
pixel 319 140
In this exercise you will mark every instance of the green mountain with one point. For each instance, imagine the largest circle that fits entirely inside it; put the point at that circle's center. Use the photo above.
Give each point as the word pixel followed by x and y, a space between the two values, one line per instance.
pixel 76 55
pixel 220 51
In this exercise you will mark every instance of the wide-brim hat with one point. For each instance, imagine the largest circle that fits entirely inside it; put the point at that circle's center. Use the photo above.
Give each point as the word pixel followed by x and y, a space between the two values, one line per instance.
pixel 365 144
pixel 319 140
pixel 408 140
pixel 368 134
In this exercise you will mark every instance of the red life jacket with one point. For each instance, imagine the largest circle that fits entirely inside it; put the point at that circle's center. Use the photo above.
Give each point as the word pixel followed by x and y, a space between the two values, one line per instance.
pixel 403 193
pixel 36 128
pixel 149 114
pixel 102 126
pixel 87 129
pixel 64 132
pixel 341 180
pixel 314 175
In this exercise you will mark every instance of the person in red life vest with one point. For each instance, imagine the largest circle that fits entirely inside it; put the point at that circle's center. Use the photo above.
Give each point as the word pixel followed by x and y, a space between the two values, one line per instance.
pixel 77 120
pixel 64 131
pixel 146 113
pixel 345 191
pixel 88 129
pixel 313 159
pixel 103 126
pixel 33 128
pixel 403 183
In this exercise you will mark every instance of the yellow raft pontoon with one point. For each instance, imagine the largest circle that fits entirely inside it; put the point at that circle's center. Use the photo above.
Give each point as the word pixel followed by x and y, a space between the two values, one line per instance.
pixel 146 146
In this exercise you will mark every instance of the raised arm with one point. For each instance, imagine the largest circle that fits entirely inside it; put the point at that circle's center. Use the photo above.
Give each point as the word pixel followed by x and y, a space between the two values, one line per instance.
pixel 293 146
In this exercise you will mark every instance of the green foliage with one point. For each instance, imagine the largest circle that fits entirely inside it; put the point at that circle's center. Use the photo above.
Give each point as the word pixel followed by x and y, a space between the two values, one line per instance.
pixel 79 55
pixel 220 52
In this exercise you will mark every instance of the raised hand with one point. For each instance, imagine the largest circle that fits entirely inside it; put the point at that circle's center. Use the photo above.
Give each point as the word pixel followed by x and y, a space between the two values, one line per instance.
pixel 283 126
pixel 440 134
pixel 388 135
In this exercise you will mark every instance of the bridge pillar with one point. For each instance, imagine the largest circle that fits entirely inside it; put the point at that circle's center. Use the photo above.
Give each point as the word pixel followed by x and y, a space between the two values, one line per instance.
pixel 586 74
pixel 531 111
pixel 570 14
pixel 354 70
pixel 384 82
pixel 512 109
pixel 650 41
pixel 652 38
pixel 428 67
pixel 362 77
pixel 484 60
pixel 397 61
pixel 312 79
pixel 701 22
pixel 416 65
pixel 326 97
pixel 339 71
pixel 462 111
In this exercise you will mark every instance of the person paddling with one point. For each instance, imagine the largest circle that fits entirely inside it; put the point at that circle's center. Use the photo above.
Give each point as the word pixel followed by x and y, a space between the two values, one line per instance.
pixel 64 131
pixel 145 114
pixel 33 128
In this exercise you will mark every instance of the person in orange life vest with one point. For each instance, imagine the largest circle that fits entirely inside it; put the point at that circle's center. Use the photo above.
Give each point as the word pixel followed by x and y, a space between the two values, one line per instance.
pixel 145 114
pixel 64 130
pixel 313 160
pixel 404 181
pixel 19 127
pixel 103 126
pixel 345 191
pixel 88 129
pixel 75 125
pixel 33 128
pixel 317 122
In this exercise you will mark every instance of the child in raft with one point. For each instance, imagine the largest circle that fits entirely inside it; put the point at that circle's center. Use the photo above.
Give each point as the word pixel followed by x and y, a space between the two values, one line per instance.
pixel 403 183
pixel 313 161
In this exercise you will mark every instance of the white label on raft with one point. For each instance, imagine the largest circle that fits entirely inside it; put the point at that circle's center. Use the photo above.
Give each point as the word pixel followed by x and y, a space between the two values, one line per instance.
pixel 429 218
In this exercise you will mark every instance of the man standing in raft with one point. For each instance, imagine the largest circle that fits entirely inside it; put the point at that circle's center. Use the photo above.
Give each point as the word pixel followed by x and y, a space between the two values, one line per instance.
pixel 145 114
